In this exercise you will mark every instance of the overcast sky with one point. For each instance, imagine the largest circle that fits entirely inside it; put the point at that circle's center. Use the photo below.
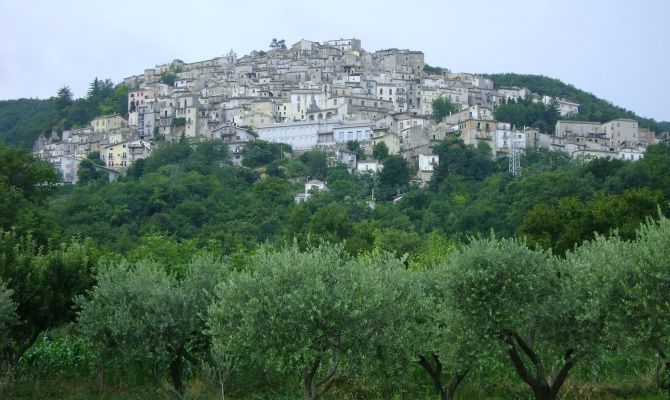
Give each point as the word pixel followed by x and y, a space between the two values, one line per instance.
pixel 616 49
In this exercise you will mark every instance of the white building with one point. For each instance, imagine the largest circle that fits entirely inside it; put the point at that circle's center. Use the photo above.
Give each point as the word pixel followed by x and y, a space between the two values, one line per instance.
pixel 311 186
pixel 360 131
pixel 306 135
pixel 564 106
pixel 302 135
pixel 508 138
pixel 632 154
pixel 344 44
pixel 369 166
pixel 427 162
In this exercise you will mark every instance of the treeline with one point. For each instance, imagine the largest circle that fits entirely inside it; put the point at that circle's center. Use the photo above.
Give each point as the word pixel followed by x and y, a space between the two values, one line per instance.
pixel 191 191
pixel 591 108
pixel 22 121
pixel 493 317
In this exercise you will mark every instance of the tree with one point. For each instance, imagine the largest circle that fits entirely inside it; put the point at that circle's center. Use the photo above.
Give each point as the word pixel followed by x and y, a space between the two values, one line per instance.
pixel 8 317
pixel 116 102
pixel 311 315
pixel 394 175
pixel 44 282
pixel 523 305
pixel 278 44
pixel 430 331
pixel 168 78
pixel 63 99
pixel 380 151
pixel 142 313
pixel 259 152
pixel 443 107
pixel 88 173
pixel 25 185
pixel 639 292
pixel 316 163
pixel 573 221
pixel 331 223
pixel 355 147
pixel 457 159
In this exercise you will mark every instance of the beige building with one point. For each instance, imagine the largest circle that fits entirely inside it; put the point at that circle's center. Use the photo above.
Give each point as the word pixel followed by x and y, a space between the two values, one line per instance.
pixel 108 123
pixel 391 140
pixel 116 155
pixel 476 131
pixel 472 112
pixel 622 132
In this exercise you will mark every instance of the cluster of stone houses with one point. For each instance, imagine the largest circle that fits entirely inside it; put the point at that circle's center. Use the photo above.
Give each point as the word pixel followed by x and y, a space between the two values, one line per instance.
pixel 110 136
pixel 325 94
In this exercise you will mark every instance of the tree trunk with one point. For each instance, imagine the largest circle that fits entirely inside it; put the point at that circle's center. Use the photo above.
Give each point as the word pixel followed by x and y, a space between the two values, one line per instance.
pixel 435 373
pixel 454 383
pixel 313 387
pixel 175 375
pixel 309 388
pixel 666 364
pixel 100 383
pixel 543 388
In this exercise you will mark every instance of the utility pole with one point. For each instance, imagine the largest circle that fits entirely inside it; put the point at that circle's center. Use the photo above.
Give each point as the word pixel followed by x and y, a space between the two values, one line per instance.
pixel 515 161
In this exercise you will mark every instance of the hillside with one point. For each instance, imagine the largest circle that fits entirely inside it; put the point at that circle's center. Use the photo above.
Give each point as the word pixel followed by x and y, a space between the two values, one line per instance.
pixel 23 120
pixel 592 108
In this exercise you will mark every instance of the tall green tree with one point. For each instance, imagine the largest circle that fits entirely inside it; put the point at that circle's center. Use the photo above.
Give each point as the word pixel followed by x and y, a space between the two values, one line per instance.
pixel 394 176
pixel 116 102
pixel 63 98
pixel 25 186
pixel 443 107
pixel 457 159
pixel 380 151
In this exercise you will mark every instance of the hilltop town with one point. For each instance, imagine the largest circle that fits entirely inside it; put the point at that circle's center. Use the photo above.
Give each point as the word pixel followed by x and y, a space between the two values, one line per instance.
pixel 326 94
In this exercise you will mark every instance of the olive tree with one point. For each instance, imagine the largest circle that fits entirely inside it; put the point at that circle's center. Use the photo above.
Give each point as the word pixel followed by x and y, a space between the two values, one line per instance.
pixel 311 314
pixel 8 317
pixel 522 304
pixel 426 330
pixel 640 295
pixel 141 312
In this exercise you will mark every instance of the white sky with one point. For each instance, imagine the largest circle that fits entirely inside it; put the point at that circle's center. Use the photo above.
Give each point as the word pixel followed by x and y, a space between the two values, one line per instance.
pixel 617 49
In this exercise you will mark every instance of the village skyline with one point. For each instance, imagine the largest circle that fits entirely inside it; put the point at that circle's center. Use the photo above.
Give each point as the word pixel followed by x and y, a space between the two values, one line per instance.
pixel 607 48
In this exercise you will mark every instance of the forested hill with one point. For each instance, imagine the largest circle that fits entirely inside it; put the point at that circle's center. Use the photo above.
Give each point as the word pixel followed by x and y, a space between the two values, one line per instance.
pixel 592 108
pixel 23 120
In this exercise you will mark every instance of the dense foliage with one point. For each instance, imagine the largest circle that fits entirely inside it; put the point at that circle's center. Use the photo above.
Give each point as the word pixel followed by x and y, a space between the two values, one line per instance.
pixel 22 121
pixel 526 113
pixel 443 107
pixel 591 108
